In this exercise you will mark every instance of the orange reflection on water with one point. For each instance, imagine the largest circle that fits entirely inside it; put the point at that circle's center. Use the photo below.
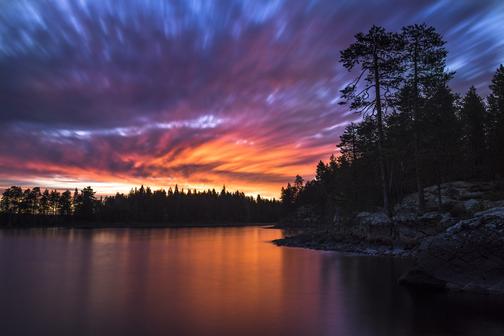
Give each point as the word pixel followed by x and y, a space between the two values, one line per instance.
pixel 213 281
pixel 203 279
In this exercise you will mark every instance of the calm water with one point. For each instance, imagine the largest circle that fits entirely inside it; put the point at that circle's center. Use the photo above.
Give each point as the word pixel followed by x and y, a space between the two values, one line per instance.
pixel 214 281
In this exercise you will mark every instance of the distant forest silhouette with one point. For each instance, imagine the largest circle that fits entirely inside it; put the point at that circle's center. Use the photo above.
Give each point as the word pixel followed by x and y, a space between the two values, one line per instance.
pixel 32 207
pixel 415 131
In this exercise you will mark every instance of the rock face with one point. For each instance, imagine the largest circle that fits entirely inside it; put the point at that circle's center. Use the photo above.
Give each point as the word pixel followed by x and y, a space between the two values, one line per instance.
pixel 467 256
pixel 365 226
pixel 459 198
pixel 458 240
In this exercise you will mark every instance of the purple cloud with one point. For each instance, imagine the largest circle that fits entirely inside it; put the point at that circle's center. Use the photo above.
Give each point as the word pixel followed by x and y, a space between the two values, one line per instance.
pixel 174 92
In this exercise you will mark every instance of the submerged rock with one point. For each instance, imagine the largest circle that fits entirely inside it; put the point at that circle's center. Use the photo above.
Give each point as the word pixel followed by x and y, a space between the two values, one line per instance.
pixel 422 279
pixel 468 256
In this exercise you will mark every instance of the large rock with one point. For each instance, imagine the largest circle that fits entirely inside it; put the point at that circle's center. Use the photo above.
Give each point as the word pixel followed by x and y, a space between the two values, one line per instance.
pixel 464 197
pixel 467 256
pixel 372 218
pixel 472 205
pixel 373 226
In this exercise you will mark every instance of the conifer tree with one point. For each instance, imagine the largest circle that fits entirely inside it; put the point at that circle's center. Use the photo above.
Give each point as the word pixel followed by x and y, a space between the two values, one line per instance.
pixel 473 116
pixel 377 53
pixel 495 123
pixel 424 57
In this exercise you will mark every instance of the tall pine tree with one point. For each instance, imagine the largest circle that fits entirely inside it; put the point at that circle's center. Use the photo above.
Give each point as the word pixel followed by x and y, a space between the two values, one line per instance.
pixel 377 53
pixel 495 123
pixel 473 115
pixel 424 62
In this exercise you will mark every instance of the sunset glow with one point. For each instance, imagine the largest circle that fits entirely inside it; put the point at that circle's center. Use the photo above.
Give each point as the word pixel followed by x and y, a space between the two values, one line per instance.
pixel 202 94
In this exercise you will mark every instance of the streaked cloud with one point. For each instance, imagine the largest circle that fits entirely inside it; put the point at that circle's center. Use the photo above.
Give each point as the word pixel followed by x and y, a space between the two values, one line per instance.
pixel 115 93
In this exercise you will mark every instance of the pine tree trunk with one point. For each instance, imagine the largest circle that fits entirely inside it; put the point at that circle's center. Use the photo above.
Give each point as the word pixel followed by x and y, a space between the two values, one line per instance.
pixel 381 159
pixel 439 182
pixel 419 183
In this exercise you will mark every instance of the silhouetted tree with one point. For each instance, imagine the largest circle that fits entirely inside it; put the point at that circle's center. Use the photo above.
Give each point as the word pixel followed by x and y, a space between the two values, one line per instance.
pixel 424 57
pixel 442 137
pixel 141 205
pixel 356 170
pixel 54 197
pixel 288 198
pixel 428 136
pixel 44 203
pixel 29 202
pixel 377 53
pixel 473 115
pixel 85 207
pixel 65 203
pixel 11 200
pixel 495 123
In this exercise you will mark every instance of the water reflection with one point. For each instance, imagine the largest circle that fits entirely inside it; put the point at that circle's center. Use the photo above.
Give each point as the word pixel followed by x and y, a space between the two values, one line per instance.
pixel 208 281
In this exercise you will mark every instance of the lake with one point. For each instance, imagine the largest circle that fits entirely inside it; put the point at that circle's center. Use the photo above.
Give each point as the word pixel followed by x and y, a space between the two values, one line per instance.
pixel 215 281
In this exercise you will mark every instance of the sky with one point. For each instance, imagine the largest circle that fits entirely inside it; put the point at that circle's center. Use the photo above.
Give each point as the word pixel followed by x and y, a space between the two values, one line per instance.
pixel 199 93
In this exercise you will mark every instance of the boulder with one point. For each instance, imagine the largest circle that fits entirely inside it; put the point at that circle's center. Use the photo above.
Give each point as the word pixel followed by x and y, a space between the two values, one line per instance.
pixel 405 217
pixel 373 226
pixel 467 256
pixel 472 205
pixel 431 217
pixel 372 218
pixel 464 197
pixel 421 279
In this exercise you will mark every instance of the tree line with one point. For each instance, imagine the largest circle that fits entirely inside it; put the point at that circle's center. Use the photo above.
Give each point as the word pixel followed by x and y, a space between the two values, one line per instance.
pixel 32 206
pixel 414 130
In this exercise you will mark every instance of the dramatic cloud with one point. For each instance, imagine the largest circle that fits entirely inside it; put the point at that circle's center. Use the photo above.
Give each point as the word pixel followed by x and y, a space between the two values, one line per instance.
pixel 116 93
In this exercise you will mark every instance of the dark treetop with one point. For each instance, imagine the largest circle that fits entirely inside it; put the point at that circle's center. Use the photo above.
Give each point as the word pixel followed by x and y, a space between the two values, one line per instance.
pixel 141 206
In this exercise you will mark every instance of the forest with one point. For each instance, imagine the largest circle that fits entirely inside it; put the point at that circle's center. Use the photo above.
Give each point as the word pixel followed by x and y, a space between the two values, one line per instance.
pixel 32 206
pixel 414 130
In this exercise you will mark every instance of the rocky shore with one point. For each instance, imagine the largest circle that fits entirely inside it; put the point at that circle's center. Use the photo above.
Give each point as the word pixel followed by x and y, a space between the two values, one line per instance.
pixel 468 256
pixel 328 240
pixel 458 243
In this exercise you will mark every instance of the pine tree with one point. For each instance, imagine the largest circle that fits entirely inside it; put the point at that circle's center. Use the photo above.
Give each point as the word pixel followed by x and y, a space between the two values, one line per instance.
pixel 11 200
pixel 473 116
pixel 65 203
pixel 495 123
pixel 85 208
pixel 54 197
pixel 377 53
pixel 424 58
pixel 441 137
pixel 44 203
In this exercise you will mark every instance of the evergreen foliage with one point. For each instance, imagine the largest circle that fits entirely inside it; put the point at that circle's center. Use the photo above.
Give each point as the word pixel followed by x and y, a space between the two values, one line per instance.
pixel 142 205
pixel 414 131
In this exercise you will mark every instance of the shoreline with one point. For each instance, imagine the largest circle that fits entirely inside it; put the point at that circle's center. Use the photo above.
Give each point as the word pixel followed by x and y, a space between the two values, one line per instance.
pixel 465 256
pixel 415 278
pixel 348 248
pixel 91 226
